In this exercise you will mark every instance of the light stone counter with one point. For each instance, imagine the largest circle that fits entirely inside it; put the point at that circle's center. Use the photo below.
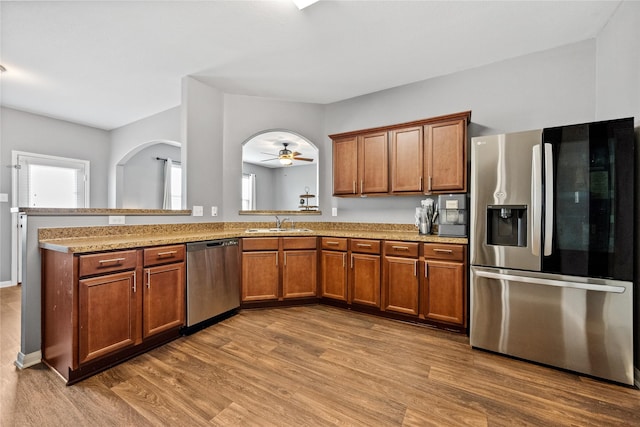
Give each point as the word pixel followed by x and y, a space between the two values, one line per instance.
pixel 95 239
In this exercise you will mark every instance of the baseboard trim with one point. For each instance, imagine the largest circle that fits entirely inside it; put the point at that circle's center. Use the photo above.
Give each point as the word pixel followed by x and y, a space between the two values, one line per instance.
pixel 27 360
pixel 637 377
pixel 6 284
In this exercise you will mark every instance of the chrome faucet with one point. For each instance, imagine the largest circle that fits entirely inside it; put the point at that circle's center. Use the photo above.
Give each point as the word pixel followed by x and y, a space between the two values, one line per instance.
pixel 279 221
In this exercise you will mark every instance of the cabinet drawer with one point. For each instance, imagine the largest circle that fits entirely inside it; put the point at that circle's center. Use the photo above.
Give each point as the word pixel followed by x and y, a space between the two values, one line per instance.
pixel 334 243
pixel 365 246
pixel 299 243
pixel 444 251
pixel 163 255
pixel 107 262
pixel 260 244
pixel 405 249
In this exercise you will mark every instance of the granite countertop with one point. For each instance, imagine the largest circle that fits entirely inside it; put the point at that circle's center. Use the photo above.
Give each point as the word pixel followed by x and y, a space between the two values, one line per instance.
pixel 95 239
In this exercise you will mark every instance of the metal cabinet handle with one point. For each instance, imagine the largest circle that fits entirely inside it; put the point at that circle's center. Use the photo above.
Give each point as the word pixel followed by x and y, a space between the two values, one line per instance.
pixel 415 268
pixel 116 260
pixel 276 259
pixel 352 261
pixel 332 243
pixel 400 248
pixel 285 259
pixel 420 183
pixel 344 260
pixel 148 278
pixel 429 182
pixel 426 269
pixel 443 251
pixel 364 245
pixel 361 186
pixel 167 253
pixel 134 282
pixel 354 187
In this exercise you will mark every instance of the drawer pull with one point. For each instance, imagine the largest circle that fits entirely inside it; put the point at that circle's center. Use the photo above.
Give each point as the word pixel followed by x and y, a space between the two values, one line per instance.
pixel 148 278
pixel 115 260
pixel 332 243
pixel 168 253
pixel 443 251
pixel 364 245
pixel 400 248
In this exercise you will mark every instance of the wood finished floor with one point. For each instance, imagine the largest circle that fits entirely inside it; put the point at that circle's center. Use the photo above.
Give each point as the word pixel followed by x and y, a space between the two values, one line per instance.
pixel 308 366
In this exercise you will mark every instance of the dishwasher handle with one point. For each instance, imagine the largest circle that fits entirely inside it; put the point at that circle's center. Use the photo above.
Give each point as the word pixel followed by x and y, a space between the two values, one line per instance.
pixel 199 246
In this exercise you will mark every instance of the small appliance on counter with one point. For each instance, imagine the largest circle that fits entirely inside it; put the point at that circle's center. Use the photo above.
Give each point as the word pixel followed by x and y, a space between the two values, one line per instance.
pixel 453 215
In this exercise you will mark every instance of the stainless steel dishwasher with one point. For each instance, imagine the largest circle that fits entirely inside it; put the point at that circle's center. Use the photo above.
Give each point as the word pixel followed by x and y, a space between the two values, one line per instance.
pixel 213 282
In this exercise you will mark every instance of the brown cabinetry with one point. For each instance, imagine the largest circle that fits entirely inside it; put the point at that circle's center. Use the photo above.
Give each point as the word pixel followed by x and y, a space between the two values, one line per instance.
pixel 360 164
pixel 406 160
pixel 445 298
pixel 164 289
pixel 400 277
pixel 425 156
pixel 364 274
pixel 334 268
pixel 98 310
pixel 445 157
pixel 275 268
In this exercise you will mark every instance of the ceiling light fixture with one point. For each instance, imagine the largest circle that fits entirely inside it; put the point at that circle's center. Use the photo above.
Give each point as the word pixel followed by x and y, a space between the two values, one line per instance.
pixel 286 161
pixel 304 3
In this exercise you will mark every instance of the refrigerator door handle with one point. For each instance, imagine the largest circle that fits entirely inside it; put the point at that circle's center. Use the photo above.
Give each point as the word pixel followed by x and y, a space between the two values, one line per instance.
pixel 548 199
pixel 536 199
pixel 551 282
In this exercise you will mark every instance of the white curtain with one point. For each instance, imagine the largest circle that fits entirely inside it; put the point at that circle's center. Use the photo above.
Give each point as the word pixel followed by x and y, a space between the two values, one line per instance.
pixel 166 202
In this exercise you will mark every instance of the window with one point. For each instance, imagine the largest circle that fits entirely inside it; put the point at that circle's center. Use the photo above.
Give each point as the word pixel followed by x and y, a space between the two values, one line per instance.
pixel 248 191
pixel 176 186
pixel 52 182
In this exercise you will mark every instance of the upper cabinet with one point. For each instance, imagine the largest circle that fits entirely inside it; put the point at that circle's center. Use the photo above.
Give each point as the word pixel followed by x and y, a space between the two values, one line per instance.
pixel 445 160
pixel 427 156
pixel 360 164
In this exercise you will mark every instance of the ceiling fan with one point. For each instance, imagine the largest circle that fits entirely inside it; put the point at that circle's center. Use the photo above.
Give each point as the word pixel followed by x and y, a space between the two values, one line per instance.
pixel 286 156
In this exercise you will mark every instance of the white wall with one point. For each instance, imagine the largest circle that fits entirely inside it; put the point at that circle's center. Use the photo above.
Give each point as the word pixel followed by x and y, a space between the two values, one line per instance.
pixel 202 150
pixel 128 140
pixel 265 187
pixel 245 116
pixel 290 184
pixel 549 88
pixel 143 177
pixel 33 133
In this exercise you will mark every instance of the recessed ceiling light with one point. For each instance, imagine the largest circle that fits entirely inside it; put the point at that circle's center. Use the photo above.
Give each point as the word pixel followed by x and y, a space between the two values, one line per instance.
pixel 304 3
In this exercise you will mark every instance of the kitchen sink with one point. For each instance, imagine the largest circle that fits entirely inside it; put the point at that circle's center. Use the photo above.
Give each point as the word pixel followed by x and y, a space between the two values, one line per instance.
pixel 277 230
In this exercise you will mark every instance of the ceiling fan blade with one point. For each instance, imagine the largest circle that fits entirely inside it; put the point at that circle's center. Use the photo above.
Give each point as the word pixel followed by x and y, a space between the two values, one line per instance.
pixel 266 160
pixel 296 153
pixel 268 154
pixel 305 159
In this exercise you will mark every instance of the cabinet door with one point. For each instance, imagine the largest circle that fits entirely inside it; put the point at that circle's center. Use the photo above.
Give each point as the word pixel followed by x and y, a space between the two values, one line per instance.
pixel 446 156
pixel 365 279
pixel 163 301
pixel 401 285
pixel 107 314
pixel 260 276
pixel 406 161
pixel 345 165
pixel 334 275
pixel 444 291
pixel 299 274
pixel 373 165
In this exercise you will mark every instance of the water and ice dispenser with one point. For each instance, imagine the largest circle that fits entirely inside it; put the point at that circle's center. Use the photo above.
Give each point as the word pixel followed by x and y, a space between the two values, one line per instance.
pixel 453 215
pixel 507 225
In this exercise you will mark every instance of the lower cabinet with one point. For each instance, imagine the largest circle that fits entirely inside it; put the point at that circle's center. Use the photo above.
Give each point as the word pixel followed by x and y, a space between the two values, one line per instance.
pixel 98 310
pixel 364 273
pixel 445 283
pixel 334 268
pixel 277 268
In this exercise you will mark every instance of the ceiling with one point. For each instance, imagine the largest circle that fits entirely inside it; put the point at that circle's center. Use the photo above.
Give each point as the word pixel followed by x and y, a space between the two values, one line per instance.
pixel 109 63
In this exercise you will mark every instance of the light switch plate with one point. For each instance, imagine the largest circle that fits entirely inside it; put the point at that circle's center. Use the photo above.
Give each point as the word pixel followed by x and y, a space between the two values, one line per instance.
pixel 214 211
pixel 334 211
pixel 197 211
pixel 116 219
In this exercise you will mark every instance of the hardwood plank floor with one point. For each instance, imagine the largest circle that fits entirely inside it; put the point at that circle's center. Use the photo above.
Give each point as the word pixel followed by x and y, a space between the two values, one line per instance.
pixel 308 366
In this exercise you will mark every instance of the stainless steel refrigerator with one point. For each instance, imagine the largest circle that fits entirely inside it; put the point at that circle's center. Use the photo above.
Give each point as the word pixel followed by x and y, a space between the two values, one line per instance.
pixel 552 246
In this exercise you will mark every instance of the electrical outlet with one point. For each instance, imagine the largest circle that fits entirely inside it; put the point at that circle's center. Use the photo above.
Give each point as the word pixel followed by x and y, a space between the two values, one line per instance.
pixel 214 211
pixel 116 219
pixel 334 211
pixel 197 211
